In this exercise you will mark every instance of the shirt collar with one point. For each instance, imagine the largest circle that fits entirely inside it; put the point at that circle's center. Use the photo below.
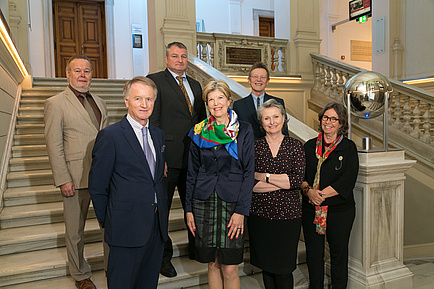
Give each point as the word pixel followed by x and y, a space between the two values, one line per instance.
pixel 135 124
pixel 175 75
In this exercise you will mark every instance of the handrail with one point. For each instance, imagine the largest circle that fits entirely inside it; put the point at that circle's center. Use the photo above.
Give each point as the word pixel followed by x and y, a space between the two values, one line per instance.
pixel 8 146
pixel 410 111
pixel 203 72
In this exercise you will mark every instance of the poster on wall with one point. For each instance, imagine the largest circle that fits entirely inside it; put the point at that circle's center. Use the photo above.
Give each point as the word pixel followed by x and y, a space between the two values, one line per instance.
pixel 359 8
pixel 361 50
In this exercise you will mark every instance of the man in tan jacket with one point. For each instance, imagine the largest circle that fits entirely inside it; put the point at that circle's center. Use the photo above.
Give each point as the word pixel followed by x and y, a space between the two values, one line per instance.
pixel 72 121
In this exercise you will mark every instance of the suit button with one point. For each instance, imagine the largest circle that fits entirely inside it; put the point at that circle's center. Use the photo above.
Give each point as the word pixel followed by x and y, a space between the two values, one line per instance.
pixel 152 204
pixel 215 159
pixel 215 174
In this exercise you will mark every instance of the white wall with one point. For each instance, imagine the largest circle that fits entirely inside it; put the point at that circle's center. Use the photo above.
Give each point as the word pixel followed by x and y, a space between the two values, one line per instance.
pixel 419 41
pixel 215 14
pixel 338 43
pixel 37 40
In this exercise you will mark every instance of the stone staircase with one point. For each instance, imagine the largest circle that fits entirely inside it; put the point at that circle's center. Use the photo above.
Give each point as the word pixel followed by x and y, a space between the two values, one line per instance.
pixel 32 245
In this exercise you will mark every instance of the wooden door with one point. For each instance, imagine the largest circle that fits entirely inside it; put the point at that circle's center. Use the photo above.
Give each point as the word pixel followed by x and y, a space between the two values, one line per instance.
pixel 79 28
pixel 266 27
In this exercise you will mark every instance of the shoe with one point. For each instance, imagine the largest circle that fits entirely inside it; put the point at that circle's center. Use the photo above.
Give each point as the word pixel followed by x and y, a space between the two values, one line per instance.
pixel 168 270
pixel 85 284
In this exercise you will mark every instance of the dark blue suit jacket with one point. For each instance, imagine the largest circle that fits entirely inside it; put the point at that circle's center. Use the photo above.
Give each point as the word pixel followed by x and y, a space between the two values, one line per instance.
pixel 245 109
pixel 122 187
pixel 212 170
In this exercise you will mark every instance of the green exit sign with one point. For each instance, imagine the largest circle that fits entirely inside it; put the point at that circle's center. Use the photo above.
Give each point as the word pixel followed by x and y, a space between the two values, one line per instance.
pixel 363 19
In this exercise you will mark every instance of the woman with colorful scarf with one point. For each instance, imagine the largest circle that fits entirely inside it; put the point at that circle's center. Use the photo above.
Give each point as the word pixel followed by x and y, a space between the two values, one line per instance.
pixel 328 207
pixel 220 178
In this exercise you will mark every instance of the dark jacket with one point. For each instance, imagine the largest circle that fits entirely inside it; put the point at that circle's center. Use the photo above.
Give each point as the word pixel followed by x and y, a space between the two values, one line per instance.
pixel 245 109
pixel 212 170
pixel 122 187
pixel 171 114
pixel 339 170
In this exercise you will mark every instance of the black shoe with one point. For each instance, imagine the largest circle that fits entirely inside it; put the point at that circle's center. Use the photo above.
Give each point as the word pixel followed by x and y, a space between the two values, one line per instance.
pixel 168 270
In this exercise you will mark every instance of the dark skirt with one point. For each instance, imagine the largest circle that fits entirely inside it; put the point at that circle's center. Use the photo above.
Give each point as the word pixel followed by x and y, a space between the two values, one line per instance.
pixel 211 242
pixel 274 244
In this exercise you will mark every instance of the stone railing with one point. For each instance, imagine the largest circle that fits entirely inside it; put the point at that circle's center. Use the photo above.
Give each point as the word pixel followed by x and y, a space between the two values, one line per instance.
pixel 212 48
pixel 410 110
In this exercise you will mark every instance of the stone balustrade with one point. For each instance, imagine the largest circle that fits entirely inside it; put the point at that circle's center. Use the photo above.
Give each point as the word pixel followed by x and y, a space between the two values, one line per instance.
pixel 212 49
pixel 410 110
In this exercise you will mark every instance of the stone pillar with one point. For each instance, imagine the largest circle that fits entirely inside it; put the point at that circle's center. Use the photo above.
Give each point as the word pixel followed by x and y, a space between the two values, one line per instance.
pixel 376 244
pixel 304 38
pixel 168 21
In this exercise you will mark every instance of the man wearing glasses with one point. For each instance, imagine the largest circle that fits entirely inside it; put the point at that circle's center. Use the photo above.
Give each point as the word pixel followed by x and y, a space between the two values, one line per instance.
pixel 259 77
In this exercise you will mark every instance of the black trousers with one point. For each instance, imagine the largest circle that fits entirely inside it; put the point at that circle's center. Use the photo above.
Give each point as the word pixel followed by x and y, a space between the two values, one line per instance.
pixel 339 225
pixel 176 178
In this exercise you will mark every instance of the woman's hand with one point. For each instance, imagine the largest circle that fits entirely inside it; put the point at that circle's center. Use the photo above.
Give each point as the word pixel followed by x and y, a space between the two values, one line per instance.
pixel 190 223
pixel 315 197
pixel 236 226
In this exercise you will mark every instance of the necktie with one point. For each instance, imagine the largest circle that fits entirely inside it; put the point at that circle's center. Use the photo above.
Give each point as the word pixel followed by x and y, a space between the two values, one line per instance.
pixel 258 102
pixel 89 110
pixel 147 150
pixel 149 156
pixel 181 85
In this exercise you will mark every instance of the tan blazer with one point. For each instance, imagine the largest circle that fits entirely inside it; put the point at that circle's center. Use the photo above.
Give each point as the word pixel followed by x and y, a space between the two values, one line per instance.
pixel 70 136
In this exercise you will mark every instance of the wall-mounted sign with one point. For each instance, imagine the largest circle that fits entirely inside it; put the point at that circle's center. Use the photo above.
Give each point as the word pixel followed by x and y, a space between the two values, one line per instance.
pixel 236 55
pixel 361 50
pixel 137 41
pixel 359 8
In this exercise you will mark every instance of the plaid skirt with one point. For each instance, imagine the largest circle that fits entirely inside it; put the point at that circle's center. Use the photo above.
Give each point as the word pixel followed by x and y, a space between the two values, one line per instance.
pixel 212 243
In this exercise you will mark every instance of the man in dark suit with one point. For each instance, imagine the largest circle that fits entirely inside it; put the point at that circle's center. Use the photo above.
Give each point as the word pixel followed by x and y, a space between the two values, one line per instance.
pixel 178 108
pixel 128 192
pixel 259 77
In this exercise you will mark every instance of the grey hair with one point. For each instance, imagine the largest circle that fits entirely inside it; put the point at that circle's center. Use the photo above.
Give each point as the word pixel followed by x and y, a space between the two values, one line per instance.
pixel 272 103
pixel 139 79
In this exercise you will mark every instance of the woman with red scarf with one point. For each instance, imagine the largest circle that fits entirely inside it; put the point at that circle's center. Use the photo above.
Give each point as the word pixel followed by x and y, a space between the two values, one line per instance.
pixel 220 176
pixel 328 207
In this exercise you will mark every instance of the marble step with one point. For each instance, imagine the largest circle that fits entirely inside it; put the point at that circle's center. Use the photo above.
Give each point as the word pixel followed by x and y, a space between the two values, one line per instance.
pixel 29 139
pixel 41 237
pixel 45 194
pixel 29 150
pixel 39 111
pixel 31 195
pixel 32 215
pixel 29 163
pixel 254 281
pixel 30 119
pixel 30 178
pixel 44 264
pixel 51 263
pixel 98 277
pixel 29 129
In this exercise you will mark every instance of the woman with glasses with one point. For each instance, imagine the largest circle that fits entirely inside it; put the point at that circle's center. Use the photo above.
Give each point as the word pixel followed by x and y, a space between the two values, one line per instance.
pixel 328 207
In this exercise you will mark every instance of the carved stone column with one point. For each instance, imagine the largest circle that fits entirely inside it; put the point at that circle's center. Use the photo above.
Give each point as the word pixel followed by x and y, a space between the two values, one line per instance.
pixel 304 38
pixel 168 21
pixel 376 244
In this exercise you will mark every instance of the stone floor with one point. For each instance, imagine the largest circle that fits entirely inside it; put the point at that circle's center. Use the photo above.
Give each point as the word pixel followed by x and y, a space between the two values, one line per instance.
pixel 423 271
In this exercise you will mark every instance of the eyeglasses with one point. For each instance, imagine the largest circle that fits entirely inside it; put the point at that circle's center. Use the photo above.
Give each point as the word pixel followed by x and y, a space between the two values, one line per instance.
pixel 261 77
pixel 331 119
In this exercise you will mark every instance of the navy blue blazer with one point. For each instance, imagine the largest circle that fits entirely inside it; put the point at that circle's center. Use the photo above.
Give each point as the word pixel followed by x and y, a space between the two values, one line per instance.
pixel 246 111
pixel 122 187
pixel 213 169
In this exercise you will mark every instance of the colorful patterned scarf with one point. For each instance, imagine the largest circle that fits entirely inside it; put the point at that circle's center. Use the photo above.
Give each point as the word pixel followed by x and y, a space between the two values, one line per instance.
pixel 321 211
pixel 208 134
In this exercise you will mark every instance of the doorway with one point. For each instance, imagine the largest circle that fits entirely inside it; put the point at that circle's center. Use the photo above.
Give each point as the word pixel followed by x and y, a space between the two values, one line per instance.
pixel 79 28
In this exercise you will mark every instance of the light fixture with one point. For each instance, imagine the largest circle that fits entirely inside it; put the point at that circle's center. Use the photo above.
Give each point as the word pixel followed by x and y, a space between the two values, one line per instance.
pixel 5 37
